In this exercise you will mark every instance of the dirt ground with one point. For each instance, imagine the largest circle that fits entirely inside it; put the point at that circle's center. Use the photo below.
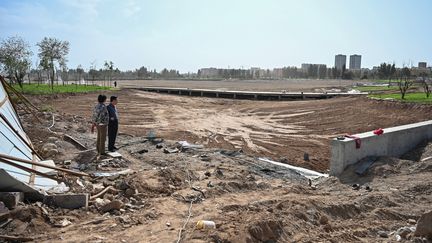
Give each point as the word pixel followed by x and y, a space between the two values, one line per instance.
pixel 166 188
pixel 278 130
pixel 256 85
pixel 165 194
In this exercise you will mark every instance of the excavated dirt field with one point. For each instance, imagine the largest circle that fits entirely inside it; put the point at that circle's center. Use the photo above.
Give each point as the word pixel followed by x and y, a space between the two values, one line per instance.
pixel 278 130
pixel 167 191
pixel 257 85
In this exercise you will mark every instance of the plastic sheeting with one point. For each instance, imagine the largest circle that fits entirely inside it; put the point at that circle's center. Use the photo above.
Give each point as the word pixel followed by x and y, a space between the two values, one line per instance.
pixel 15 142
pixel 310 174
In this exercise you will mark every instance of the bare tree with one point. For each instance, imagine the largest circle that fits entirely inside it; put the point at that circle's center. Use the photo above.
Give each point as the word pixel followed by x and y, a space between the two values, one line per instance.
pixel 80 72
pixel 405 81
pixel 109 66
pixel 15 57
pixel 45 66
pixel 427 84
pixel 53 51
pixel 64 72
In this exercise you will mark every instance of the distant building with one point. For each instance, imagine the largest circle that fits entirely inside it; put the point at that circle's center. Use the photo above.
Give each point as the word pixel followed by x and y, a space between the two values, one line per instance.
pixel 305 67
pixel 208 72
pixel 277 73
pixel 340 61
pixel 421 70
pixel 355 62
pixel 314 70
pixel 255 71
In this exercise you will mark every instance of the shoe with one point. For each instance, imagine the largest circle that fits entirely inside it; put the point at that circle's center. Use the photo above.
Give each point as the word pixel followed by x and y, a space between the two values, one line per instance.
pixel 115 148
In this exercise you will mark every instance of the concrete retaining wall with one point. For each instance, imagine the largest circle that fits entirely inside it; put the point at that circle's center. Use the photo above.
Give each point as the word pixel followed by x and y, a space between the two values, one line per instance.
pixel 394 142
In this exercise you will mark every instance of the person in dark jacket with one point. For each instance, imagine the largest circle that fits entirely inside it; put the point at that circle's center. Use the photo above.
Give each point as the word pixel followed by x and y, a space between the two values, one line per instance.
pixel 112 124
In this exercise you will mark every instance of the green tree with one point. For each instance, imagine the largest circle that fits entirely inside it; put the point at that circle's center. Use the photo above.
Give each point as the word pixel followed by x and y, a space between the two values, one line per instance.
pixel 142 72
pixel 392 71
pixel 15 57
pixel 53 52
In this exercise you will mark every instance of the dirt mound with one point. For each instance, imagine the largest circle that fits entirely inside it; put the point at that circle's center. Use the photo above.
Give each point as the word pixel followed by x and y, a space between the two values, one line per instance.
pixel 27 220
pixel 265 231
pixel 343 211
pixel 389 214
pixel 378 201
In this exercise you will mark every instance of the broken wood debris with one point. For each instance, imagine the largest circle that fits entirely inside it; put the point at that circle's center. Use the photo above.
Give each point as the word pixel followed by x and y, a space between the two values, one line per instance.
pixel 8 157
pixel 101 193
pixel 16 238
pixel 75 142
pixel 29 170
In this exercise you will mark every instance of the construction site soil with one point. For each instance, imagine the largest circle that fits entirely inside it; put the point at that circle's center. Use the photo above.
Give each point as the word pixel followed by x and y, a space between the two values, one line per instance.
pixel 166 187
pixel 246 85
pixel 278 130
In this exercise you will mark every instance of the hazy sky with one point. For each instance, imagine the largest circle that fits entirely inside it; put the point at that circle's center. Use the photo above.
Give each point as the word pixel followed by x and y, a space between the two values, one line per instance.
pixel 190 34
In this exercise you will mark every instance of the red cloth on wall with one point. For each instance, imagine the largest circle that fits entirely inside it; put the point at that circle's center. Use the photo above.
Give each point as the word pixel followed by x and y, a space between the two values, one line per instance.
pixel 356 139
pixel 379 131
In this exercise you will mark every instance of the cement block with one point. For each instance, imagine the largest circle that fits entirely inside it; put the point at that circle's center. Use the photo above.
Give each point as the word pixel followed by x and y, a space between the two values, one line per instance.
pixel 11 199
pixel 69 201
pixel 395 141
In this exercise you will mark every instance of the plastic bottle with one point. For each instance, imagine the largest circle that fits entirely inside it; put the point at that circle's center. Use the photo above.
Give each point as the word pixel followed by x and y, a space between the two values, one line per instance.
pixel 205 224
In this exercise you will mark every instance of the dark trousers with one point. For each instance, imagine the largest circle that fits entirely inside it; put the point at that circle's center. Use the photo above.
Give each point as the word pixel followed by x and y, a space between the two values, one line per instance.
pixel 112 134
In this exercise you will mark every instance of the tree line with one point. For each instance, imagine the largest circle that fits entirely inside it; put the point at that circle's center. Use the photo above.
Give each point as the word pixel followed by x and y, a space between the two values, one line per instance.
pixel 405 78
pixel 16 55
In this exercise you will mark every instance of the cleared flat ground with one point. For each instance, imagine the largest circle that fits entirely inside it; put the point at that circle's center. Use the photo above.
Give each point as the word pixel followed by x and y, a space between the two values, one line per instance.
pixel 254 85
pixel 279 130
pixel 249 200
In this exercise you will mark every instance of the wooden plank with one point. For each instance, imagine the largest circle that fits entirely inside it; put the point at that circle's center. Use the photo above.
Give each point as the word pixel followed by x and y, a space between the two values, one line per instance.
pixel 76 173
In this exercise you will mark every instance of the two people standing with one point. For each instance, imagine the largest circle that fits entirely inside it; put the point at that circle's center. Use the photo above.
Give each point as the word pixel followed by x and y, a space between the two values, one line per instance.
pixel 105 118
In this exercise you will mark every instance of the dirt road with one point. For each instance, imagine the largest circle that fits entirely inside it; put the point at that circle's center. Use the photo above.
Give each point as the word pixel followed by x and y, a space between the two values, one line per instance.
pixel 279 130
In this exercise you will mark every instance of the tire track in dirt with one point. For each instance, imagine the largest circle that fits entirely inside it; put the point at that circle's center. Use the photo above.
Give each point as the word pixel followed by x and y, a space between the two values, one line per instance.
pixel 286 129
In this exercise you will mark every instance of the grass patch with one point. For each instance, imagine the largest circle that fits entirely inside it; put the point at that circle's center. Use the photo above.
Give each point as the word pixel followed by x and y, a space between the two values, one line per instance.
pixel 409 97
pixel 46 89
pixel 385 81
pixel 376 88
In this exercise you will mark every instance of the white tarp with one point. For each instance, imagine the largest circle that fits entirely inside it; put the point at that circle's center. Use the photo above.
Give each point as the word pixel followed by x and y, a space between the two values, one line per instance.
pixel 310 174
pixel 15 142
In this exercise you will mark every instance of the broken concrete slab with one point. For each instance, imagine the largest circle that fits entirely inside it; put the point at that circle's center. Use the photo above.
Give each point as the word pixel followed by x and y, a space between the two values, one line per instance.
pixel 171 151
pixel 11 199
pixel 69 201
pixel 184 145
pixel 310 174
pixel 115 154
